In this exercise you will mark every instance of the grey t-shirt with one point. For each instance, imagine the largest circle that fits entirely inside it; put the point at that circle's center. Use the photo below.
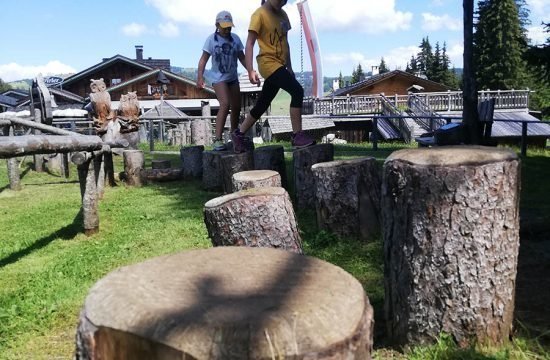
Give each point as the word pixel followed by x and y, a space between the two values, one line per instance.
pixel 223 53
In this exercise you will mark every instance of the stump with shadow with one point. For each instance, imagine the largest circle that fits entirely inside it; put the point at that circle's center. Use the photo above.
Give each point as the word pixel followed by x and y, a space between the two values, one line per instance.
pixel 304 183
pixel 255 178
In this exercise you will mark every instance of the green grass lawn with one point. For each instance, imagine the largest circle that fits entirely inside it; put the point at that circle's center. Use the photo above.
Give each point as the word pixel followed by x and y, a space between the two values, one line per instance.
pixel 47 265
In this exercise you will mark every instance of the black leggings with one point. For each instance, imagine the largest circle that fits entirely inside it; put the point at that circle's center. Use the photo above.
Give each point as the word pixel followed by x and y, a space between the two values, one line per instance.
pixel 280 79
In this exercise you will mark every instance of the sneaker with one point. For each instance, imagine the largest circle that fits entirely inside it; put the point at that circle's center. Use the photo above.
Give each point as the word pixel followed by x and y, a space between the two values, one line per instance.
pixel 238 140
pixel 248 144
pixel 301 140
pixel 219 145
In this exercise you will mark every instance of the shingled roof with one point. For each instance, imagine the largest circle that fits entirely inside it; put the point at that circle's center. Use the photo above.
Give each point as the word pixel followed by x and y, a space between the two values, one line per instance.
pixel 280 125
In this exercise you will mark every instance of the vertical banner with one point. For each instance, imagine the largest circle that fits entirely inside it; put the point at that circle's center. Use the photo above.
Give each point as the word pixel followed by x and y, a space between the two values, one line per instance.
pixel 313 47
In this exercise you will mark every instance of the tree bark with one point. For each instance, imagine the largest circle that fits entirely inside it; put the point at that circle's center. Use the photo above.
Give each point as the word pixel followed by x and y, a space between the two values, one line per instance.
pixel 160 164
pixel 271 157
pixel 46 144
pixel 88 191
pixel 347 197
pixel 260 217
pixel 304 185
pixel 255 178
pixel 38 159
pixel 13 167
pixel 227 303
pixel 134 162
pixel 212 174
pixel 451 240
pixel 191 161
pixel 232 164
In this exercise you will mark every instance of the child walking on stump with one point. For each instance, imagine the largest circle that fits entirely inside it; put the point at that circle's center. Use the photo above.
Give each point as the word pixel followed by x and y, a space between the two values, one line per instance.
pixel 225 48
pixel 269 26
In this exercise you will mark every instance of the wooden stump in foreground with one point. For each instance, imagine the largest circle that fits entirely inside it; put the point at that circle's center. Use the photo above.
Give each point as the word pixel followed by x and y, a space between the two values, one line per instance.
pixel 232 164
pixel 271 157
pixel 255 178
pixel 259 217
pixel 347 197
pixel 227 303
pixel 191 161
pixel 304 184
pixel 451 239
pixel 134 162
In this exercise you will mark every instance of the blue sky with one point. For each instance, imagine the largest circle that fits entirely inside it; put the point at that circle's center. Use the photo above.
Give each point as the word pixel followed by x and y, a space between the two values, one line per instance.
pixel 66 36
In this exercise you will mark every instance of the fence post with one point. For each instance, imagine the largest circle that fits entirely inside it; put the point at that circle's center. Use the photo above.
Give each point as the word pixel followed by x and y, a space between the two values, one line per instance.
pixel 151 135
pixel 348 105
pixel 524 138
pixel 375 133
pixel 448 100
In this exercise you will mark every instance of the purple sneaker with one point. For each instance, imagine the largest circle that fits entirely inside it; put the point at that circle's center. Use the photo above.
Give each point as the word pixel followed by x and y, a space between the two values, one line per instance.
pixel 238 140
pixel 301 140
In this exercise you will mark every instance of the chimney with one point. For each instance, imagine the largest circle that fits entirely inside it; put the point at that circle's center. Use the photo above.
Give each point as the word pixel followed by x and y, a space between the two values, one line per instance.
pixel 375 70
pixel 139 52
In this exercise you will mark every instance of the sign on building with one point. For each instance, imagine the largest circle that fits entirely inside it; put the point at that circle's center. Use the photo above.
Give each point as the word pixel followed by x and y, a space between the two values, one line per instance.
pixel 51 81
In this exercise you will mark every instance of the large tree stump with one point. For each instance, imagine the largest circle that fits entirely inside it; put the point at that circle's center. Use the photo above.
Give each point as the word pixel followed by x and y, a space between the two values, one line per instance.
pixel 259 217
pixel 191 161
pixel 304 183
pixel 451 239
pixel 134 162
pixel 232 164
pixel 255 178
pixel 227 303
pixel 271 157
pixel 161 164
pixel 212 174
pixel 347 197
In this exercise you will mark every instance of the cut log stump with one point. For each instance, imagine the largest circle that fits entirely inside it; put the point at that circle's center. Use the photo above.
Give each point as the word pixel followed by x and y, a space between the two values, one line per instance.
pixel 162 175
pixel 227 303
pixel 160 164
pixel 304 183
pixel 451 239
pixel 232 164
pixel 259 217
pixel 191 161
pixel 212 174
pixel 271 157
pixel 255 178
pixel 134 162
pixel 347 197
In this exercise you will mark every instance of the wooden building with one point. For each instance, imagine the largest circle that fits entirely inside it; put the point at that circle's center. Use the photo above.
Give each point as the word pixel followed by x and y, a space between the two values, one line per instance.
pixel 391 83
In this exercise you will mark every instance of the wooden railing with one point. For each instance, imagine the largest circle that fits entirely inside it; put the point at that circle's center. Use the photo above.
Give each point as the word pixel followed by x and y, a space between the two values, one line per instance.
pixel 437 101
pixel 389 109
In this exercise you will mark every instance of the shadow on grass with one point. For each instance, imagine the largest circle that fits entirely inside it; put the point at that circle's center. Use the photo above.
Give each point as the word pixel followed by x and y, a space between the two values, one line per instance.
pixel 21 176
pixel 65 233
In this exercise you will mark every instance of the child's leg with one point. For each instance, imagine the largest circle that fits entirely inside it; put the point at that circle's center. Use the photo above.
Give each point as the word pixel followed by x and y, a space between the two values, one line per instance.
pixel 235 101
pixel 268 93
pixel 296 91
pixel 222 93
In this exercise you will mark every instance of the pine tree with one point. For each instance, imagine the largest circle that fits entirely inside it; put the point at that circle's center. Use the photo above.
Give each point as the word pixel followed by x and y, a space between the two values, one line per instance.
pixel 357 74
pixel 4 86
pixel 340 80
pixel 499 44
pixel 412 66
pixel 425 57
pixel 383 68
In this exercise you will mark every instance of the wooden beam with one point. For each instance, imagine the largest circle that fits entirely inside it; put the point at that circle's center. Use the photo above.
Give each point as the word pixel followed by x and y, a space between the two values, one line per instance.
pixel 46 144
pixel 35 125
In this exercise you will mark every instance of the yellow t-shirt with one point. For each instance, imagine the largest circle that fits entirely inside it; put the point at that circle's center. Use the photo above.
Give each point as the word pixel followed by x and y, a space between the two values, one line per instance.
pixel 272 32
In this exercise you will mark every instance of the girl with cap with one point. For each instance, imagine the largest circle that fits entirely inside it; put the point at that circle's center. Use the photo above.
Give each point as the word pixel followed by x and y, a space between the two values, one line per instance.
pixel 225 48
pixel 269 26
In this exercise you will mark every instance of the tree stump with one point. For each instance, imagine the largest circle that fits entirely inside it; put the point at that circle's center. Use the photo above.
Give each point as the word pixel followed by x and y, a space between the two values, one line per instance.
pixel 255 178
pixel 451 238
pixel 212 174
pixel 347 197
pixel 259 217
pixel 161 175
pixel 227 303
pixel 304 183
pixel 160 164
pixel 271 157
pixel 134 162
pixel 13 174
pixel 232 164
pixel 88 191
pixel 191 161
pixel 201 131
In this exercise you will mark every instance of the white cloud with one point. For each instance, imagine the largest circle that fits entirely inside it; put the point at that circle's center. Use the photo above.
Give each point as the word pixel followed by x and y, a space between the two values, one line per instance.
pixel 370 16
pixel 537 35
pixel 13 71
pixel 169 30
pixel 431 22
pixel 540 8
pixel 134 29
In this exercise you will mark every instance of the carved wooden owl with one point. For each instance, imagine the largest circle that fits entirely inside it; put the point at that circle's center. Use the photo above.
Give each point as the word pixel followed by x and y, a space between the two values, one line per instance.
pixel 129 106
pixel 97 85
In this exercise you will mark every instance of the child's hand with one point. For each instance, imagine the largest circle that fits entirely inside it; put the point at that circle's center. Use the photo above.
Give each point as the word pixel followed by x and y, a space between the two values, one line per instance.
pixel 254 78
pixel 200 83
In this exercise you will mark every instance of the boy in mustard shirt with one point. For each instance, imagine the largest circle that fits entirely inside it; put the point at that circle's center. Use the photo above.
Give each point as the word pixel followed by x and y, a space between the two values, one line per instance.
pixel 269 26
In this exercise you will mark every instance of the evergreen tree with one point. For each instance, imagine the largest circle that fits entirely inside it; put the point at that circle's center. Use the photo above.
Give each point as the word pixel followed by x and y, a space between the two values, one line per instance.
pixel 425 57
pixel 340 80
pixel 383 68
pixel 499 44
pixel 412 66
pixel 357 74
pixel 4 86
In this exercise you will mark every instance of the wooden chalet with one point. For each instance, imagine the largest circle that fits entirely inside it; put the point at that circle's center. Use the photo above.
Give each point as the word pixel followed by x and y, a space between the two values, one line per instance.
pixel 390 83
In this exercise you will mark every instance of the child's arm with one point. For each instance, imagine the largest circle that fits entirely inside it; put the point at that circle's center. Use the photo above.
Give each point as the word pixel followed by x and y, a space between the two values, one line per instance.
pixel 249 58
pixel 200 72
pixel 288 62
pixel 242 59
